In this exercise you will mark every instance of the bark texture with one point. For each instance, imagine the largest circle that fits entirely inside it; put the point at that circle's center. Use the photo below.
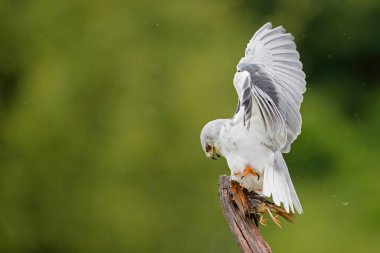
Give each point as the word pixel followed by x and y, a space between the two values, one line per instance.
pixel 243 225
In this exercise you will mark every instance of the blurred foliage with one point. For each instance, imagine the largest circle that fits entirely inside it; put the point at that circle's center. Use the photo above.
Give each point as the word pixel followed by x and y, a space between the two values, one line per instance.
pixel 102 103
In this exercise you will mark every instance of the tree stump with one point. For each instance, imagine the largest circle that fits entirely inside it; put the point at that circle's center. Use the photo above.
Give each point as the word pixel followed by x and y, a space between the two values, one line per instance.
pixel 243 225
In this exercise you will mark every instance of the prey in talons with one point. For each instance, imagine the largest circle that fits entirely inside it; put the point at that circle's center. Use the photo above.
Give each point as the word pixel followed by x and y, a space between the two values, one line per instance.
pixel 256 205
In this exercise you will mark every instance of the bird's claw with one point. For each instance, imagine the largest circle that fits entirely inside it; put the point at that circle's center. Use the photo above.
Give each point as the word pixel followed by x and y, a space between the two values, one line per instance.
pixel 249 170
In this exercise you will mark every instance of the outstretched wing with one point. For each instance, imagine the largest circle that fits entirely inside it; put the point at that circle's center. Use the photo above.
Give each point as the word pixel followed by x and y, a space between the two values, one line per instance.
pixel 271 73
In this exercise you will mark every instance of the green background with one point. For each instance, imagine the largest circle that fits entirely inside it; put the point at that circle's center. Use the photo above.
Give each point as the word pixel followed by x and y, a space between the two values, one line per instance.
pixel 102 103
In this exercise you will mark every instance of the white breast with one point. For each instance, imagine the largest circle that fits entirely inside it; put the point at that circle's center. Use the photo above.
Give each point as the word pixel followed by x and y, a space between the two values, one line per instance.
pixel 242 147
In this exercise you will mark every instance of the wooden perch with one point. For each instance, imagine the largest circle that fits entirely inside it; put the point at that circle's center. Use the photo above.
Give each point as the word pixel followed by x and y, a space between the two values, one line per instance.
pixel 244 226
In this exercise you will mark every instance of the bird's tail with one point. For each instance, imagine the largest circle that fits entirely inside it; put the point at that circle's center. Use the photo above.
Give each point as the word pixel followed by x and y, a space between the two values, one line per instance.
pixel 277 183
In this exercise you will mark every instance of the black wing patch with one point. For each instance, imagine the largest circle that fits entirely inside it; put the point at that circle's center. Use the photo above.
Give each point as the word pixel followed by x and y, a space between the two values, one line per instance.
pixel 261 80
pixel 262 88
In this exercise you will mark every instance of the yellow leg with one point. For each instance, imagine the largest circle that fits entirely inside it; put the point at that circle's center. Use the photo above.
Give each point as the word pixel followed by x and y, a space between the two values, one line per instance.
pixel 248 170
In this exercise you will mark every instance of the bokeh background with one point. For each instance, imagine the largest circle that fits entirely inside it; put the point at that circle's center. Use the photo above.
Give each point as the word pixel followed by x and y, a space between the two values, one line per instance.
pixel 102 103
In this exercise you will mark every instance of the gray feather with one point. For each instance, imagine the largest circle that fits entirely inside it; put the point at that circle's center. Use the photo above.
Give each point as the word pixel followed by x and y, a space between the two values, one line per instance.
pixel 237 107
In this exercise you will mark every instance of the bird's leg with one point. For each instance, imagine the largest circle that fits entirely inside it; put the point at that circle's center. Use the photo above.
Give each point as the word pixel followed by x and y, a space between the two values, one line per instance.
pixel 248 170
pixel 274 219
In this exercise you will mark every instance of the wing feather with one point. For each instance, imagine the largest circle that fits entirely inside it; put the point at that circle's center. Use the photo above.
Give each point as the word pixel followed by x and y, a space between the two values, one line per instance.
pixel 272 60
pixel 271 75
pixel 274 122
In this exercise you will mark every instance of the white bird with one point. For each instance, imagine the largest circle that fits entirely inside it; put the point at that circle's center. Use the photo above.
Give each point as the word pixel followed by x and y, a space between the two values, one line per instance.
pixel 269 83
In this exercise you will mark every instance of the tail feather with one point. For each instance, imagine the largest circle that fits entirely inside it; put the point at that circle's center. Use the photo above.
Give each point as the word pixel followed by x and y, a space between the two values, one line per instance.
pixel 278 184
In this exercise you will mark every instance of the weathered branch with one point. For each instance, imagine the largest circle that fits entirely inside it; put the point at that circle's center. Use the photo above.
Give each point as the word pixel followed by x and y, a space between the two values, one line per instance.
pixel 243 225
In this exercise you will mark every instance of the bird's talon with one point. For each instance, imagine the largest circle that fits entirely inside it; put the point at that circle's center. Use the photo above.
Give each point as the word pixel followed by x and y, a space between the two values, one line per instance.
pixel 248 170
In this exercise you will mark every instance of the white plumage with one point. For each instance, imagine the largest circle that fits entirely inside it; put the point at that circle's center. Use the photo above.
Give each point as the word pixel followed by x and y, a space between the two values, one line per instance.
pixel 269 82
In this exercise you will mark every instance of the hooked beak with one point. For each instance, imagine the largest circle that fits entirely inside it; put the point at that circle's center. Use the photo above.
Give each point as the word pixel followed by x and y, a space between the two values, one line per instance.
pixel 215 154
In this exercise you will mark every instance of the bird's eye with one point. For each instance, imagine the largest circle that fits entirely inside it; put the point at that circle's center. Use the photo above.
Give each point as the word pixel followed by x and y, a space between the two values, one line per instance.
pixel 208 148
pixel 239 70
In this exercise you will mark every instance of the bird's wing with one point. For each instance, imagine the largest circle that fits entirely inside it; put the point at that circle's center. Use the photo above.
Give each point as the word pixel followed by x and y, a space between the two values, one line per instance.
pixel 271 73
pixel 272 119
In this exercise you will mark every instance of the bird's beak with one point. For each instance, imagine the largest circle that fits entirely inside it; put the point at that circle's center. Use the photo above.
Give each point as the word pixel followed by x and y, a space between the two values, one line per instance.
pixel 215 154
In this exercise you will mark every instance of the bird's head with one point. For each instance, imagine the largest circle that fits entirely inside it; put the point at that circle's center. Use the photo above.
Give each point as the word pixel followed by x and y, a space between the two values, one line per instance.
pixel 210 138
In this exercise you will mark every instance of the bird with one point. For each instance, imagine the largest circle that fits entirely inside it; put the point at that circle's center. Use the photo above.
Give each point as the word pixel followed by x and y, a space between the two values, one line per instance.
pixel 270 84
